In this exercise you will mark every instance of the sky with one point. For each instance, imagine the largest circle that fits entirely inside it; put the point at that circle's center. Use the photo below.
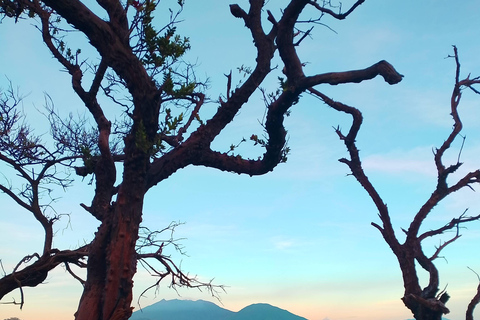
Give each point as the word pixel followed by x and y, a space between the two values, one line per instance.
pixel 299 237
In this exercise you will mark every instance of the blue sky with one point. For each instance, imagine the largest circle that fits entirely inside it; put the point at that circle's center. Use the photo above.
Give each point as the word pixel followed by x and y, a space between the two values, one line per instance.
pixel 300 237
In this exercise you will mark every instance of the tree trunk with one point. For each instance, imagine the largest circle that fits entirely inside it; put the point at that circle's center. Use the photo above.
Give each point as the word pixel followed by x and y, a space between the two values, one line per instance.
pixel 112 264
pixel 112 259
pixel 425 313
pixel 425 309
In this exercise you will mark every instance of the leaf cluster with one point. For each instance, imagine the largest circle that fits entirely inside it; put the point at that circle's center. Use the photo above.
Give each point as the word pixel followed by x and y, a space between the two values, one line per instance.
pixel 177 89
pixel 159 49
pixel 14 9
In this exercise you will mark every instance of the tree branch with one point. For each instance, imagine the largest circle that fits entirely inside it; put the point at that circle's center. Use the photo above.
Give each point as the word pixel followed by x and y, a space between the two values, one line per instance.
pixel 35 273
pixel 382 68
pixel 339 16
pixel 475 300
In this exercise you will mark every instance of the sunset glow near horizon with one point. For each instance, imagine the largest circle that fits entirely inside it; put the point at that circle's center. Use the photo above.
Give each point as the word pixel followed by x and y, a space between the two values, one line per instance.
pixel 300 237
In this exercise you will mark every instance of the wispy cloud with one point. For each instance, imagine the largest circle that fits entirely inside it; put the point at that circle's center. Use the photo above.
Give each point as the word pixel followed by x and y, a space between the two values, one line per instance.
pixel 420 161
pixel 415 161
pixel 283 244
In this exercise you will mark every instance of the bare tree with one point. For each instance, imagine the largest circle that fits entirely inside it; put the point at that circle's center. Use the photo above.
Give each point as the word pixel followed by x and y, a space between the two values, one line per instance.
pixel 425 303
pixel 139 67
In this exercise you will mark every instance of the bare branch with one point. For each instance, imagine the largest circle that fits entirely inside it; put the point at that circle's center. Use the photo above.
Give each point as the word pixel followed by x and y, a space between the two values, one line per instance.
pixel 475 300
pixel 36 272
pixel 382 68
pixel 148 242
pixel 454 223
pixel 339 16
pixel 69 270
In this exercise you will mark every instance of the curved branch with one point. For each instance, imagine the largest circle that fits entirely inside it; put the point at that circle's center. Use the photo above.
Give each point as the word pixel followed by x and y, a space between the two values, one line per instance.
pixel 117 16
pixel 225 162
pixel 474 302
pixel 354 163
pixel 197 146
pixel 34 274
pixel 382 68
pixel 452 224
pixel 15 198
pixel 104 168
pixel 286 48
pixel 442 190
pixel 339 16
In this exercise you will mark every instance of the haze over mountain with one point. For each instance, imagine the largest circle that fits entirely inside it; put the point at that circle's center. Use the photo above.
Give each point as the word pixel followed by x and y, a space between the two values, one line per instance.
pixel 204 310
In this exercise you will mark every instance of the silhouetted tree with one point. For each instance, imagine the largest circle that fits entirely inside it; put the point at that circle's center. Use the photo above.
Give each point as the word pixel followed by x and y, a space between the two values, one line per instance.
pixel 425 303
pixel 139 67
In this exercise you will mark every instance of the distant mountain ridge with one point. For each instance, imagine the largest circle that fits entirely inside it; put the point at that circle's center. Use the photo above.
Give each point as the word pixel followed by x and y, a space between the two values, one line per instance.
pixel 204 310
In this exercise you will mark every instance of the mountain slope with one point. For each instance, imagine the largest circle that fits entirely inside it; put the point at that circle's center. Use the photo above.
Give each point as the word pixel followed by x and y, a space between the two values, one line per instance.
pixel 182 310
pixel 263 311
pixel 204 310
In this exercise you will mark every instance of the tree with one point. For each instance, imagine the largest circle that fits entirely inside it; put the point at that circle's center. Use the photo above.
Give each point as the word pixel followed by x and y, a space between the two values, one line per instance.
pixel 425 303
pixel 139 67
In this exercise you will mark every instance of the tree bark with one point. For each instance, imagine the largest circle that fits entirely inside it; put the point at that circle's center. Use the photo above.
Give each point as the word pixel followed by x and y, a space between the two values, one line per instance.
pixel 425 309
pixel 113 259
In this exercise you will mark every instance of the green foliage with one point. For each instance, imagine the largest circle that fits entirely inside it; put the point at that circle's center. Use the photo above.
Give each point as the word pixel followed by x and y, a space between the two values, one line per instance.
pixel 244 70
pixel 67 52
pixel 285 152
pixel 185 89
pixel 197 117
pixel 233 146
pixel 167 85
pixel 257 140
pixel 284 87
pixel 12 9
pixel 263 143
pixel 283 84
pixel 172 122
pixel 158 146
pixel 171 126
pixel 88 161
pixel 177 90
pixel 159 48
pixel 141 139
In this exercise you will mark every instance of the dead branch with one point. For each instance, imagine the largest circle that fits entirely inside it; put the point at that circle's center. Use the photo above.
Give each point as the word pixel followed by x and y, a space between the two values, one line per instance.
pixel 339 16
pixel 452 224
pixel 381 68
pixel 426 301
pixel 475 300
pixel 35 273
pixel 157 247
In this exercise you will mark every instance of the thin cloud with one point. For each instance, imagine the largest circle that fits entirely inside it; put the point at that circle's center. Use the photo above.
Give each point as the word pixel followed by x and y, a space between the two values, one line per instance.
pixel 419 161
pixel 415 161
pixel 283 243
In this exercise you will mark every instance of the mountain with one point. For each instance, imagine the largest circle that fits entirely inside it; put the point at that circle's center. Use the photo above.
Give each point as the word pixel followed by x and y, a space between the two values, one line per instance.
pixel 204 310
pixel 263 311
pixel 182 310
